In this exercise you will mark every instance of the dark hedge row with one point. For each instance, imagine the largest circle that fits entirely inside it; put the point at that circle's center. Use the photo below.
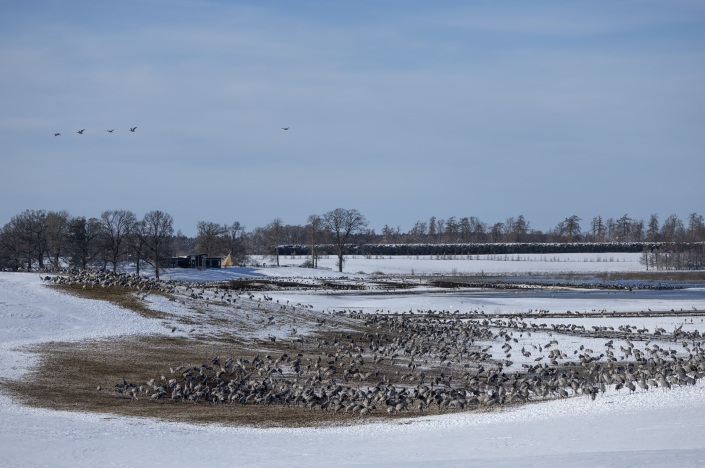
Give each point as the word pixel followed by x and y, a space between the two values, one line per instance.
pixel 481 249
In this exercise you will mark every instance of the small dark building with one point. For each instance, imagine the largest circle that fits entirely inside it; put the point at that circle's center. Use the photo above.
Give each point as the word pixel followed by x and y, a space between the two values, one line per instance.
pixel 194 261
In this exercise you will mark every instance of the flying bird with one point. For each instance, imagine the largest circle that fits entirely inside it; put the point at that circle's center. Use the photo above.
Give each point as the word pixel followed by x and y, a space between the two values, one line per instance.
pixel 111 131
pixel 80 132
pixel 133 129
pixel 57 134
pixel 285 128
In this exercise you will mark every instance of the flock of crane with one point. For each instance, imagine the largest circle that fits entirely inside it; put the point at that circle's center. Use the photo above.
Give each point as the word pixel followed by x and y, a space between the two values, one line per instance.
pixel 132 129
pixel 80 132
pixel 414 364
pixel 355 363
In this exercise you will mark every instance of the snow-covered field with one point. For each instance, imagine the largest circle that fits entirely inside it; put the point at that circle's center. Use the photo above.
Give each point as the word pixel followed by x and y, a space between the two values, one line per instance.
pixel 520 263
pixel 224 274
pixel 652 428
pixel 494 302
pixel 358 265
pixel 641 430
pixel 31 313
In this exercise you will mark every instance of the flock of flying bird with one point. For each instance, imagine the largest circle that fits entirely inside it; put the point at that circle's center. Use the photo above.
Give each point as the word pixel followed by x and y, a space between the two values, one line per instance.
pixel 80 132
pixel 132 129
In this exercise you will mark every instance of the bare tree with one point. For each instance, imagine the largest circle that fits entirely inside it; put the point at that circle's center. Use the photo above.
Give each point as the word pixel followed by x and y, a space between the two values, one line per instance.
pixel 115 229
pixel 451 230
pixel 57 235
pixel 181 245
pixel 440 229
pixel 274 231
pixel 158 228
pixel 83 237
pixel 418 232
pixel 636 230
pixel 611 229
pixel 432 229
pixel 314 228
pixel 19 240
pixel 598 229
pixel 12 248
pixel 31 227
pixel 479 229
pixel 517 229
pixel 465 230
pixel 387 234
pixel 672 229
pixel 653 229
pixel 235 242
pixel 138 244
pixel 623 227
pixel 497 231
pixel 696 227
pixel 211 237
pixel 572 227
pixel 343 224
pixel 559 231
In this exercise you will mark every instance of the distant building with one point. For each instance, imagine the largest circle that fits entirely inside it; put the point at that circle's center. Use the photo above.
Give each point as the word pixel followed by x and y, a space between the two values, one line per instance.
pixel 194 261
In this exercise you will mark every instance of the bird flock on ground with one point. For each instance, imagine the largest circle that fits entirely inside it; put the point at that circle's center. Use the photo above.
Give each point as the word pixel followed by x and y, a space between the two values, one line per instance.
pixel 410 363
pixel 415 364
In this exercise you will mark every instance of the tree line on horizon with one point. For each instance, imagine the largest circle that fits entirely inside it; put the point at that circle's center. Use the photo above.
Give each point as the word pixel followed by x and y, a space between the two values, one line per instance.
pixel 518 230
pixel 55 238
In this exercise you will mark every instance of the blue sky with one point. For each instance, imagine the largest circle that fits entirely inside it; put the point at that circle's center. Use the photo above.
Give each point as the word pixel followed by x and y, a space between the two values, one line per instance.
pixel 403 110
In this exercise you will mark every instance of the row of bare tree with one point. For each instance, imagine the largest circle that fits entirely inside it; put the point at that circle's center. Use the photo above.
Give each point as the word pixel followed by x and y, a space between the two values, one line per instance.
pixel 337 227
pixel 39 237
pixel 675 256
pixel 55 238
pixel 472 230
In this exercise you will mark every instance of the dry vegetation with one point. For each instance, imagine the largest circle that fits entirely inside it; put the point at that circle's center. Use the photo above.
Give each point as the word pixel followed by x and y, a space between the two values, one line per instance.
pixel 122 297
pixel 69 373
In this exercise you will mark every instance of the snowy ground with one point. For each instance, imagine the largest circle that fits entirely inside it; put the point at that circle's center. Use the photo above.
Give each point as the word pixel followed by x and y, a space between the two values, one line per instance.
pixel 224 274
pixel 500 302
pixel 31 313
pixel 639 430
pixel 520 263
pixel 492 303
pixel 358 265
pixel 617 429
